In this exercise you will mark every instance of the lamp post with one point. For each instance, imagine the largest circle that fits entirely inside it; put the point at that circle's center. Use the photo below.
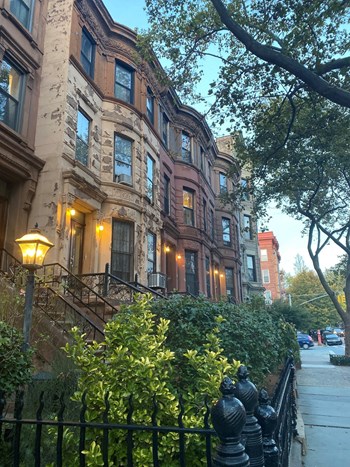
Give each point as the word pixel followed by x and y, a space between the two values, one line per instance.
pixel 34 247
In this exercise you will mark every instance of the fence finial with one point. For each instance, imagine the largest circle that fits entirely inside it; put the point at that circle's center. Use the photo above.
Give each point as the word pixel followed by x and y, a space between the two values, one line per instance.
pixel 267 419
pixel 228 417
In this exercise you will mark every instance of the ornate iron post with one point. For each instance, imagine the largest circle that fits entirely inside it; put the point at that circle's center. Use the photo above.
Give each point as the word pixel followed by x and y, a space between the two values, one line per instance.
pixel 247 393
pixel 267 419
pixel 228 417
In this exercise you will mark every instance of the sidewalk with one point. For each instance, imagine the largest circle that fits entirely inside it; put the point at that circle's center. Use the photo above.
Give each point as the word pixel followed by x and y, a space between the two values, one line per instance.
pixel 323 399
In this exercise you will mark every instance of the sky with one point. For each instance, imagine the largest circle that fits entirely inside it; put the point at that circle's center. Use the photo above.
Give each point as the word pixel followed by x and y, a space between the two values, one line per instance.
pixel 286 229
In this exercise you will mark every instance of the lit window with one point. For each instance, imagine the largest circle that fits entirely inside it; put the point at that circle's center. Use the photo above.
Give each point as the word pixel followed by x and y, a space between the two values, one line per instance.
pixel 122 160
pixel 263 255
pixel 124 83
pixel 266 276
pixel 188 198
pixel 150 178
pixel 11 85
pixel 151 252
pixel 186 147
pixel 82 139
pixel 226 231
pixel 87 53
pixel 150 105
pixel 23 10
pixel 251 269
pixel 223 183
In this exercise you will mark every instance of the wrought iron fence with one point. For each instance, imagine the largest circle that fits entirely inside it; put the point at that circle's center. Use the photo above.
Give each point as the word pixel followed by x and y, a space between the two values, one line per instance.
pixel 56 441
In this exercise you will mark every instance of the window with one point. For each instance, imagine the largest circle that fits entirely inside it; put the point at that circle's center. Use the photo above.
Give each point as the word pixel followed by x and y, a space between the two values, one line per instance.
pixel 87 53
pixel 191 272
pixel 122 250
pixel 122 160
pixel 82 140
pixel 23 10
pixel 209 172
pixel 166 195
pixel 245 192
pixel 263 255
pixel 186 147
pixel 268 297
pixel 230 287
pixel 150 178
pixel 124 83
pixel 266 276
pixel 207 273
pixel 188 206
pixel 11 85
pixel 201 156
pixel 226 231
pixel 223 183
pixel 150 105
pixel 205 215
pixel 151 252
pixel 251 268
pixel 247 227
pixel 212 224
pixel 164 126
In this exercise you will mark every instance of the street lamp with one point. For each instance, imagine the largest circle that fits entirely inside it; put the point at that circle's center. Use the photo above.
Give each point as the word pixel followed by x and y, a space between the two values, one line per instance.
pixel 34 247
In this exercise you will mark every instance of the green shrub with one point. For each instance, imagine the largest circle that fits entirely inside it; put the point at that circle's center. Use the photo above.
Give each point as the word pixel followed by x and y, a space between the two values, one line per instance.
pixel 339 360
pixel 15 365
pixel 134 361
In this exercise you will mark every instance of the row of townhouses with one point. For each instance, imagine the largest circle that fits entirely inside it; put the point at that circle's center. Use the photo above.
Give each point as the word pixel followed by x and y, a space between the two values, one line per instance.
pixel 108 161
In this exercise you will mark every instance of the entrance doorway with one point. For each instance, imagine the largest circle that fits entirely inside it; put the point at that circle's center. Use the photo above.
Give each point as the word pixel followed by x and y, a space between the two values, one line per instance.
pixel 77 243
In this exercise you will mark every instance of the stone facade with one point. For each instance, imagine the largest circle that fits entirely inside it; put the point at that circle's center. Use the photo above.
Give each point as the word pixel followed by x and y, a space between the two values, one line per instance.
pixel 122 173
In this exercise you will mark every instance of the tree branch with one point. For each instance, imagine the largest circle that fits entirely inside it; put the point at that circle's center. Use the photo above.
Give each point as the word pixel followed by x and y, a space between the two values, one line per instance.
pixel 270 55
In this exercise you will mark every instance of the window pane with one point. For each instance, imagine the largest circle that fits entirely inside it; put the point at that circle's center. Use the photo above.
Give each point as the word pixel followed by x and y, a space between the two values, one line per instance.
pixel 150 105
pixel 186 147
pixel 151 252
pixel 223 183
pixel 122 250
pixel 10 89
pixel 123 83
pixel 22 10
pixel 150 175
pixel 122 156
pixel 226 234
pixel 188 199
pixel 82 141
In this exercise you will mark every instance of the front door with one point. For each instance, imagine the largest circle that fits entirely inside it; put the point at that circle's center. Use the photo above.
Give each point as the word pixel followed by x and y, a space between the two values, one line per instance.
pixel 76 243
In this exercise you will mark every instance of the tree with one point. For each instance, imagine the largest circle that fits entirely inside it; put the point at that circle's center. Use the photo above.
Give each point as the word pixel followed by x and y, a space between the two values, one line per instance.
pixel 264 49
pixel 299 264
pixel 308 176
pixel 309 296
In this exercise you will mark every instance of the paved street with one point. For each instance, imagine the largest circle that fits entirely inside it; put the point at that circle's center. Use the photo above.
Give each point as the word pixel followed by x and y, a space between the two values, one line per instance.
pixel 324 403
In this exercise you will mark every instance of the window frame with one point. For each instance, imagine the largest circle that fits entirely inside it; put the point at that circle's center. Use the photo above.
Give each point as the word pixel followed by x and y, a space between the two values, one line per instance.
pixel 166 199
pixel 212 221
pixel 151 258
pixel 251 271
pixel 205 219
pixel 86 144
pixel 150 178
pixel 226 231
pixel 121 161
pixel 14 123
pixel 126 249
pixel 223 183
pixel 247 227
pixel 119 85
pixel 232 284
pixel 188 211
pixel 87 64
pixel 207 278
pixel 150 105
pixel 15 11
pixel 186 150
pixel 191 276
pixel 265 277
pixel 263 254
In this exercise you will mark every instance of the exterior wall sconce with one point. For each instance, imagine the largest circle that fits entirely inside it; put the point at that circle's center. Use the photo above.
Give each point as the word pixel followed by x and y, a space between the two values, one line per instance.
pixel 71 211
pixel 178 257
pixel 100 228
pixel 216 271
pixel 167 249
pixel 34 247
pixel 221 275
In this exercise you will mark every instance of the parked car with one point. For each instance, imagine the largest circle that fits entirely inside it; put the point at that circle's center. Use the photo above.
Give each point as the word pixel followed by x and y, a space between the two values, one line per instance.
pixel 332 339
pixel 339 332
pixel 305 341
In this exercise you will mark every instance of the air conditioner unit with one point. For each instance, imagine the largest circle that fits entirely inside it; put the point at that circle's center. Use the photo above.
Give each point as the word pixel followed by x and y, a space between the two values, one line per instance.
pixel 124 179
pixel 157 280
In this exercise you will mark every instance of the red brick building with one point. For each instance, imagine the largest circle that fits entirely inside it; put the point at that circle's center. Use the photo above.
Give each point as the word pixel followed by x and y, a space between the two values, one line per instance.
pixel 269 262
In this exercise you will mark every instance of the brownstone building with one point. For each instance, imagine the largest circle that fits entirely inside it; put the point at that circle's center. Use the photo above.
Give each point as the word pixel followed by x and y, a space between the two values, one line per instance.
pixel 22 32
pixel 269 260
pixel 106 159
